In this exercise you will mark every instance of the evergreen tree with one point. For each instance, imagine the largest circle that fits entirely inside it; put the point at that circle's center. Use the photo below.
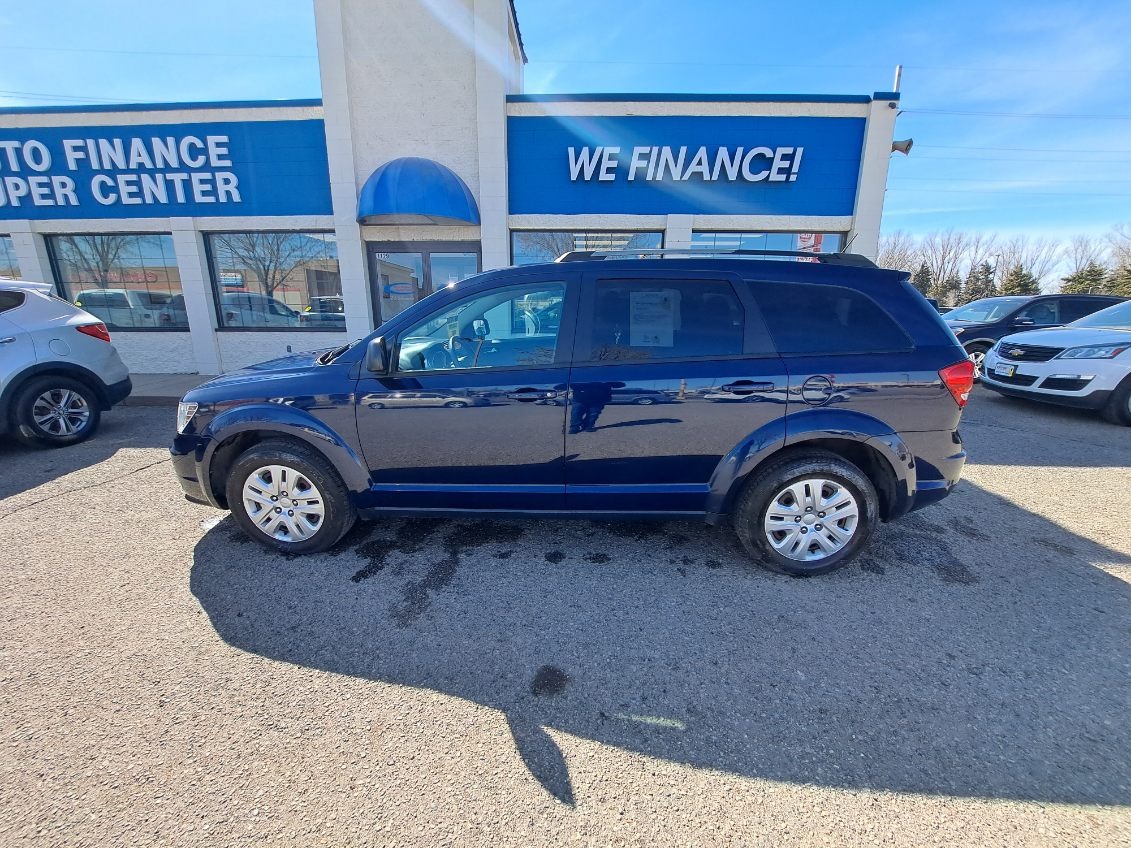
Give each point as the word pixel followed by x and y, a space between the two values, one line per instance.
pixel 1088 280
pixel 946 291
pixel 923 280
pixel 1020 281
pixel 979 283
pixel 1119 282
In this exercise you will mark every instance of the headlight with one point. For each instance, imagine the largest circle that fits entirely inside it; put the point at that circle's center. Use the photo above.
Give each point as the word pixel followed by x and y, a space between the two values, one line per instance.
pixel 185 412
pixel 1105 351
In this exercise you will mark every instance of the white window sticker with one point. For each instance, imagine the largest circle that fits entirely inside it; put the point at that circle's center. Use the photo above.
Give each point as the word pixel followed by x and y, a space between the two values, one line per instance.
pixel 653 318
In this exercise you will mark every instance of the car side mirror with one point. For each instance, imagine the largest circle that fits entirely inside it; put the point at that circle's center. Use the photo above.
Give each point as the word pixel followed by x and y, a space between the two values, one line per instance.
pixel 480 327
pixel 376 356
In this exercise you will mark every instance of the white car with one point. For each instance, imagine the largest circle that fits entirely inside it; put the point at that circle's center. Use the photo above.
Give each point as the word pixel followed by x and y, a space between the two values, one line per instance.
pixel 58 370
pixel 120 307
pixel 1086 364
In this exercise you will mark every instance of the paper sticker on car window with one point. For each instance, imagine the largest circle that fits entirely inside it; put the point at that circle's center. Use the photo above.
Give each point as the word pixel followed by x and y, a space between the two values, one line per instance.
pixel 653 318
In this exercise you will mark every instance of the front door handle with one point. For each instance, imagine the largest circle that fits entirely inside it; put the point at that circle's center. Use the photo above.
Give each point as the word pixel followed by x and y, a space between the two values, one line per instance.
pixel 8 340
pixel 747 387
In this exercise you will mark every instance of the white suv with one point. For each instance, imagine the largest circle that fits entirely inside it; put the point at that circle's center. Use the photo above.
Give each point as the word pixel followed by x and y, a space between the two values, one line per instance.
pixel 1086 364
pixel 58 370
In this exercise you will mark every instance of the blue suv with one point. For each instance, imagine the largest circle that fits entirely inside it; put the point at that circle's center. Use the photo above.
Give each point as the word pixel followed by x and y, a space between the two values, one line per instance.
pixel 801 401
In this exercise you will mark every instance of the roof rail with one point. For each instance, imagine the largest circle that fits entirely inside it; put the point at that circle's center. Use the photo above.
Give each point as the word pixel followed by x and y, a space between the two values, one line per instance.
pixel 854 260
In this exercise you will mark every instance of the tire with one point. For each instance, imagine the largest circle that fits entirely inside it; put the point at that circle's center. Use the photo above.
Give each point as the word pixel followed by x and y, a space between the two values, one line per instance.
pixel 456 404
pixel 55 411
pixel 765 490
pixel 977 353
pixel 1117 410
pixel 297 531
pixel 644 401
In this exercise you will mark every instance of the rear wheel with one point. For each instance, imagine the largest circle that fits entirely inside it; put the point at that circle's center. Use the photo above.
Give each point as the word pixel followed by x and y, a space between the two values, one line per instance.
pixel 288 497
pixel 56 411
pixel 807 514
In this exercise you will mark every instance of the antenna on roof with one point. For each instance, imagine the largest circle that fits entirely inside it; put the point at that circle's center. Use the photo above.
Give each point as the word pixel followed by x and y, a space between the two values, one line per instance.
pixel 898 78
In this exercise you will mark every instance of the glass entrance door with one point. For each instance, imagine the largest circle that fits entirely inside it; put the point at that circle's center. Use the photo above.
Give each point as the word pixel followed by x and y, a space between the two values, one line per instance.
pixel 402 273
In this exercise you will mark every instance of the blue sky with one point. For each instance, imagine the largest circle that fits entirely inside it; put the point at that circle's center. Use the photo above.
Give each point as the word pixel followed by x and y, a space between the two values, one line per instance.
pixel 1021 112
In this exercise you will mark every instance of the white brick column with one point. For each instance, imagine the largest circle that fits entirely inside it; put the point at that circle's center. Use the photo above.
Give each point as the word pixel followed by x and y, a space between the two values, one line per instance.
pixel 196 286
pixel 677 232
pixel 31 252
pixel 492 23
pixel 866 218
pixel 343 180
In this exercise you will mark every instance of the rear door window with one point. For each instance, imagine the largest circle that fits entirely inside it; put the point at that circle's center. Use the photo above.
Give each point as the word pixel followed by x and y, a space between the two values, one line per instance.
pixel 1072 308
pixel 643 319
pixel 10 300
pixel 809 318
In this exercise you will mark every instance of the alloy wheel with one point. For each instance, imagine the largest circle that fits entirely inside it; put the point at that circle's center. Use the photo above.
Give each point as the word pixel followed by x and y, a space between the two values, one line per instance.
pixel 60 412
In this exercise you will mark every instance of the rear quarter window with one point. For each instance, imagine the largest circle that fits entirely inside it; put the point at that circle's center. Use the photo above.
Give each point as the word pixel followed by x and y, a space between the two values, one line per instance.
pixel 10 300
pixel 811 318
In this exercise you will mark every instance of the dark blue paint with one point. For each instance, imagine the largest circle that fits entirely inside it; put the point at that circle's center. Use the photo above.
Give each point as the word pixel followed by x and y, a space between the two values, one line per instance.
pixel 411 186
pixel 540 179
pixel 524 447
pixel 676 97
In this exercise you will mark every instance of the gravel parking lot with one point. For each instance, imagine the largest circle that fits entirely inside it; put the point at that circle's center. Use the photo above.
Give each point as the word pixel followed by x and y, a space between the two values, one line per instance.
pixel 493 682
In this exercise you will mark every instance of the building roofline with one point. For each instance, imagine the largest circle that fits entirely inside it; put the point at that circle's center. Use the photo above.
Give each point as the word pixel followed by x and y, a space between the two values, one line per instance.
pixel 159 107
pixel 518 32
pixel 701 98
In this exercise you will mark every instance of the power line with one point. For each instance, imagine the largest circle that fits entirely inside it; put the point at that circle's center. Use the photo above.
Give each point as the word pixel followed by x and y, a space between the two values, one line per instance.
pixel 1014 192
pixel 161 52
pixel 1020 161
pixel 41 95
pixel 1034 149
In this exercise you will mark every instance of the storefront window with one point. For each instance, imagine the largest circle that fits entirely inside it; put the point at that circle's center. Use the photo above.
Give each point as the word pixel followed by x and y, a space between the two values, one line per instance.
pixel 808 242
pixel 277 280
pixel 9 267
pixel 530 247
pixel 131 282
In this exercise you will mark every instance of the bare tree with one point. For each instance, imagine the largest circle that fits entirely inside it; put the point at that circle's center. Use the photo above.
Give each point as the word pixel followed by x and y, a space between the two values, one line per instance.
pixel 272 256
pixel 546 246
pixel 898 250
pixel 945 254
pixel 96 257
pixel 1120 240
pixel 1082 251
pixel 1037 256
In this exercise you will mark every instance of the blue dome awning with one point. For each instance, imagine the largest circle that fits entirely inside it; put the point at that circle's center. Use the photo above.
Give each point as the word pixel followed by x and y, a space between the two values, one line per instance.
pixel 412 190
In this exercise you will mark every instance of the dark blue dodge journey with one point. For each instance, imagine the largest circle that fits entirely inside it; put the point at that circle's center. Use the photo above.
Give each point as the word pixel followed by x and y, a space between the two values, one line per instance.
pixel 802 401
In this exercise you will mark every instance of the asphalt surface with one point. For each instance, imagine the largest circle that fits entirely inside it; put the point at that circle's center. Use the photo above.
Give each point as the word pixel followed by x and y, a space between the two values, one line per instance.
pixel 167 682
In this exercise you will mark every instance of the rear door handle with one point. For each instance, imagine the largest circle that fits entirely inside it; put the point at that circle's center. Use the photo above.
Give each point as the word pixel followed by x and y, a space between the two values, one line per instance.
pixel 8 340
pixel 527 395
pixel 747 387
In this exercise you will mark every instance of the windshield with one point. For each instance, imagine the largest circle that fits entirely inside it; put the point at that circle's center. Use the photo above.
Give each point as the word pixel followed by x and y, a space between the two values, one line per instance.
pixel 1116 317
pixel 987 309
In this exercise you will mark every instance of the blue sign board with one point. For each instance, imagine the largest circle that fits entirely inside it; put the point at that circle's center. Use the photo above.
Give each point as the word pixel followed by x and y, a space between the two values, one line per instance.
pixel 708 165
pixel 165 170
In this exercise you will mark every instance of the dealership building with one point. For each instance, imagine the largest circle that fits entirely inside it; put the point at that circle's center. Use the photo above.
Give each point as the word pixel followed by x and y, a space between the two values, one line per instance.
pixel 210 236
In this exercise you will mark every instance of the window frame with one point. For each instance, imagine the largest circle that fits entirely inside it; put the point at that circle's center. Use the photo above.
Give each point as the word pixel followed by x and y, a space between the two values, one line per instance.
pixel 911 345
pixel 60 285
pixel 425 249
pixel 757 343
pixel 21 299
pixel 10 259
pixel 210 258
pixel 567 331
pixel 662 233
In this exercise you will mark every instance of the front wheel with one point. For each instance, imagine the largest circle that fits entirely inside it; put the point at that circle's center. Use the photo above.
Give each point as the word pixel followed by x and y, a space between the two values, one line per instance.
pixel 1118 408
pixel 56 411
pixel 806 514
pixel 288 497
pixel 977 354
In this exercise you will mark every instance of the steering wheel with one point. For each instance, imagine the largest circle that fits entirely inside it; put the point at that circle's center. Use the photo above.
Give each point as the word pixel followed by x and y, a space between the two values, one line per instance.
pixel 438 357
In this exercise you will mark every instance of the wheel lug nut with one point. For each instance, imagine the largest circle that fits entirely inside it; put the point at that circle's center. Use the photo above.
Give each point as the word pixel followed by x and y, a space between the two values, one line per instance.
pixel 274 498
pixel 820 515
pixel 284 494
pixel 278 509
pixel 818 527
pixel 290 512
pixel 797 520
pixel 808 509
pixel 804 530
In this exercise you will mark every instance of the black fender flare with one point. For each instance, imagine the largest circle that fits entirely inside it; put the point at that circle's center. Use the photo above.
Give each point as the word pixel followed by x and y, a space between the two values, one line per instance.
pixel 288 422
pixel 811 425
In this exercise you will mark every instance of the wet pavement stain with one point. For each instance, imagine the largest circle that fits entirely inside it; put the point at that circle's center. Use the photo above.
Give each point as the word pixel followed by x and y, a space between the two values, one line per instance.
pixel 417 594
pixel 597 558
pixel 549 680
pixel 963 527
pixel 554 556
pixel 409 537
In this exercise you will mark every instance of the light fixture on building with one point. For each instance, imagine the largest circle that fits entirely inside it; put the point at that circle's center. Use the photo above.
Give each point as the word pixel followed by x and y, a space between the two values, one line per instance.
pixel 903 147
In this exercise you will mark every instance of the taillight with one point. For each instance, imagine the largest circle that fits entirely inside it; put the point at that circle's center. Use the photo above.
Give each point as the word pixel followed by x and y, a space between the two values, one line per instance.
pixel 96 331
pixel 959 378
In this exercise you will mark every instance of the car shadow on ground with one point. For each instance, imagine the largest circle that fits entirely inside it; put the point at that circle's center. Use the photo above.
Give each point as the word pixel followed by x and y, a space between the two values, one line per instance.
pixel 948 660
pixel 23 468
